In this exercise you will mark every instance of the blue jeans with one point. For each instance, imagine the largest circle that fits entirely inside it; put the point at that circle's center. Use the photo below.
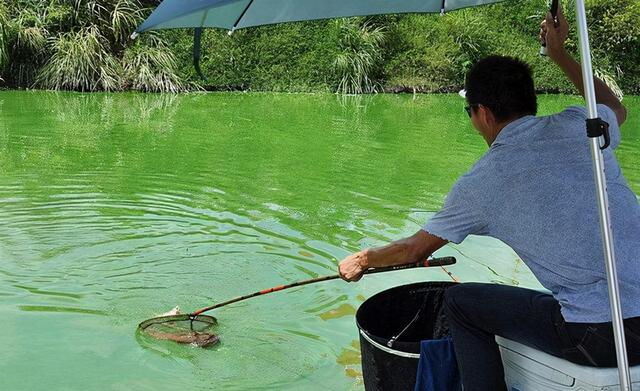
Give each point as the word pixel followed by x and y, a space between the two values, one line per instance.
pixel 478 312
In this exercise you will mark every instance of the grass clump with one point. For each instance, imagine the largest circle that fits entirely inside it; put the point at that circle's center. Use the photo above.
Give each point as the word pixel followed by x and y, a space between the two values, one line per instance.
pixel 151 67
pixel 81 62
pixel 359 57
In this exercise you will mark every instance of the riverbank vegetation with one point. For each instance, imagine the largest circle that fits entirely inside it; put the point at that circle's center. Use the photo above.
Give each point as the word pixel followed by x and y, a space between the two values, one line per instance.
pixel 84 45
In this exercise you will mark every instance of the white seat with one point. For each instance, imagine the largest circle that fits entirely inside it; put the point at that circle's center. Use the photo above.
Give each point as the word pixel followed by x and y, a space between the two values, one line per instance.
pixel 528 369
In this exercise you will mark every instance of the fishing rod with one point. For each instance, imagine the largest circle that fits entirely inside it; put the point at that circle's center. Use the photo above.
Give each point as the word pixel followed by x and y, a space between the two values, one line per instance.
pixel 195 328
pixel 444 261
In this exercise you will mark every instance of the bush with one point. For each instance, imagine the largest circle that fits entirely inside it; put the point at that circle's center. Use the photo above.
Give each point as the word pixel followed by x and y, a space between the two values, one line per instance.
pixel 289 57
pixel 24 44
pixel 359 56
pixel 81 62
pixel 422 55
pixel 615 26
pixel 151 67
pixel 4 31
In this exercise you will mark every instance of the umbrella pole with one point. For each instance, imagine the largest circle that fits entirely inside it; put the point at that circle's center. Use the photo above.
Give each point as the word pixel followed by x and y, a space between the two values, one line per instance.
pixel 603 202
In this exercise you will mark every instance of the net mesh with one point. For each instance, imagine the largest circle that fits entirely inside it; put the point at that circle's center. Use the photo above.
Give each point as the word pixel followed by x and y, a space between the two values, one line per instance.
pixel 187 329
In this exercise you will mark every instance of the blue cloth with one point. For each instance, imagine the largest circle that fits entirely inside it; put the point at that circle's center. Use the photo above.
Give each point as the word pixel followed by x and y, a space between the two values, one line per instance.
pixel 437 367
pixel 534 190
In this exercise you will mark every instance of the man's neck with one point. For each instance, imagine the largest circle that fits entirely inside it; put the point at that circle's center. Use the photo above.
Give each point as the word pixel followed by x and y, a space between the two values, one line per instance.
pixel 493 133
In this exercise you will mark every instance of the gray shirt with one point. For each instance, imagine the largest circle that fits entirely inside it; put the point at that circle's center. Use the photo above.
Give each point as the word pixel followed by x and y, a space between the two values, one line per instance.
pixel 534 190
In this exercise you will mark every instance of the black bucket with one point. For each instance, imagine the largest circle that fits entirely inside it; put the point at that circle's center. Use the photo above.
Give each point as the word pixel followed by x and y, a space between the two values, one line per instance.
pixel 389 363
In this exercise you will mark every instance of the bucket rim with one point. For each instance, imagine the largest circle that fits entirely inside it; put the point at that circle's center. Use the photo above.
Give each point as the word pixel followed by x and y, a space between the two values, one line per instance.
pixel 386 349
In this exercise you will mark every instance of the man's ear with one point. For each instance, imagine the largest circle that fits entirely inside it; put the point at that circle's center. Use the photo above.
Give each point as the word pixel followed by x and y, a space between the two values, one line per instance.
pixel 481 113
pixel 486 115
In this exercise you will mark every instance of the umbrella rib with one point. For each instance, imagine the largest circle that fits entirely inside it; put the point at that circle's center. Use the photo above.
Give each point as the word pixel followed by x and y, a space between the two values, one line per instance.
pixel 241 15
pixel 204 17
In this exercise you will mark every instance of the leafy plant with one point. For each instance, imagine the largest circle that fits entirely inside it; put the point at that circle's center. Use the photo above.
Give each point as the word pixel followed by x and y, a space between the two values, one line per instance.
pixel 124 17
pixel 81 62
pixel 615 25
pixel 4 27
pixel 25 42
pixel 152 67
pixel 360 56
pixel 610 81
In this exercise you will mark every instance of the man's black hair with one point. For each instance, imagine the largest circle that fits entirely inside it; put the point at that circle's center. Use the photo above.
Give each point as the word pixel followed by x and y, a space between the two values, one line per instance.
pixel 504 85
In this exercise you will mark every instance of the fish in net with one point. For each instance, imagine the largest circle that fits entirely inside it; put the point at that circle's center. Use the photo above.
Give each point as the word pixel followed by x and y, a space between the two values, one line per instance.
pixel 196 330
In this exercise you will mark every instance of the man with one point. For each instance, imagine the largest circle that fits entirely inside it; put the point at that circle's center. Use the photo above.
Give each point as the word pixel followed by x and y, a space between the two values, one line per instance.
pixel 534 190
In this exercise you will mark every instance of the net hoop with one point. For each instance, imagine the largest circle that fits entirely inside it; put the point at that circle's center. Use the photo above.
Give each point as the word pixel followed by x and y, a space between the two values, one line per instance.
pixel 210 320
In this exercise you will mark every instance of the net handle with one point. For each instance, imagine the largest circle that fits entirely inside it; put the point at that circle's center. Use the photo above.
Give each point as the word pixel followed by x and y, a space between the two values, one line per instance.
pixel 443 261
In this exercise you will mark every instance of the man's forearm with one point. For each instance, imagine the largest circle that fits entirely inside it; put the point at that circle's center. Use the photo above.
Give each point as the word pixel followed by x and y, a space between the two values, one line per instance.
pixel 554 33
pixel 412 249
pixel 407 250
pixel 395 253
pixel 573 70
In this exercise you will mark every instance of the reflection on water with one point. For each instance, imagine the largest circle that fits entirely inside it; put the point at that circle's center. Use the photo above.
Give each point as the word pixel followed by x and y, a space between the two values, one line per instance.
pixel 350 358
pixel 125 205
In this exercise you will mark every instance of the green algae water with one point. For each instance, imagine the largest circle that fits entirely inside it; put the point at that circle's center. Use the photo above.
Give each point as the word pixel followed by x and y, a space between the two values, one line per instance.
pixel 117 207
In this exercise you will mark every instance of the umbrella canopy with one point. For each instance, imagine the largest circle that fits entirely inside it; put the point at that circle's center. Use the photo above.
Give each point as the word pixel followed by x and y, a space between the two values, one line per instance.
pixel 237 14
